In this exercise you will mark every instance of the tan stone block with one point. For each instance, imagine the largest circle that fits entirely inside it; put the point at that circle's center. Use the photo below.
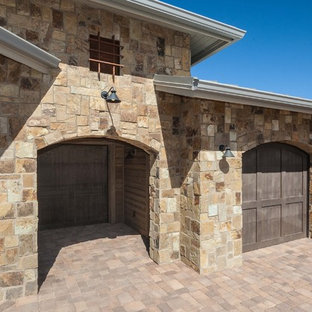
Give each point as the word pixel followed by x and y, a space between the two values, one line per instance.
pixel 28 262
pixel 142 122
pixel 11 241
pixel 60 80
pixel 84 130
pixel 166 218
pixel 30 275
pixel 8 279
pixel 24 150
pixel 236 234
pixel 173 227
pixel 219 186
pixel 275 125
pixel 35 132
pixel 25 209
pixel 11 255
pixel 237 222
pixel 237 247
pixel 59 94
pixel 195 227
pixel 26 165
pixel 196 187
pixel 84 105
pixel 29 195
pixel 28 180
pixel 25 226
pixel 207 228
pixel 53 137
pixel 6 227
pixel 10 90
pixel 3 198
pixel 40 143
pixel 227 117
pixel 82 120
pixel 58 35
pixel 73 103
pixel 38 122
pixel 70 23
pixel 6 210
pixel 259 120
pixel 7 166
pixel 14 190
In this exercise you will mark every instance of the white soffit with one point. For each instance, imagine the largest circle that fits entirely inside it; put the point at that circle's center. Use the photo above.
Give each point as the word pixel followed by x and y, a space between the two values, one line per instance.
pixel 208 36
pixel 210 90
pixel 22 51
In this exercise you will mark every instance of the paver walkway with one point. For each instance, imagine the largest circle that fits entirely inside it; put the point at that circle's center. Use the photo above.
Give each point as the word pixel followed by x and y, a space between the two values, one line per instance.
pixel 107 268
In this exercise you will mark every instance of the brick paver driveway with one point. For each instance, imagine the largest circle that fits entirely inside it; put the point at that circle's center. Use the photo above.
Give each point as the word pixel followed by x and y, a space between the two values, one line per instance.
pixel 107 268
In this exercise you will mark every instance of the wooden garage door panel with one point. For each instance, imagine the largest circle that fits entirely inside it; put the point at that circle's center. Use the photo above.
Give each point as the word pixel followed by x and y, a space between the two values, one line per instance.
pixel 72 185
pixel 269 224
pixel 279 174
pixel 292 219
pixel 250 223
pixel 250 177
pixel 293 170
pixel 137 191
pixel 269 173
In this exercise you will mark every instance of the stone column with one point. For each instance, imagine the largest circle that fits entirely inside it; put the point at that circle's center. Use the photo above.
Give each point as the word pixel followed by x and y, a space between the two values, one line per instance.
pixel 220 191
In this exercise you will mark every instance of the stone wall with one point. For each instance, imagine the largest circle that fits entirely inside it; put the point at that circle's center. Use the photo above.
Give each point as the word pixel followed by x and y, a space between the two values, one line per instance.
pixel 195 195
pixel 38 110
pixel 62 27
pixel 218 190
pixel 69 106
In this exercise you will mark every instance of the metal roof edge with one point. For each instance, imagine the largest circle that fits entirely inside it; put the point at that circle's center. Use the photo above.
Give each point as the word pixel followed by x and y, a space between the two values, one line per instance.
pixel 20 50
pixel 211 90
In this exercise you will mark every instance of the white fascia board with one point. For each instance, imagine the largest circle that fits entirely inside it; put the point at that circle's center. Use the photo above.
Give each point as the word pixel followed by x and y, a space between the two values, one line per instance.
pixel 210 90
pixel 22 51
pixel 174 17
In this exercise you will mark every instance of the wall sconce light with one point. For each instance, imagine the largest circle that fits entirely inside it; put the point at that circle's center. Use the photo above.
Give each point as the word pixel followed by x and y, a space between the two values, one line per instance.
pixel 226 151
pixel 110 96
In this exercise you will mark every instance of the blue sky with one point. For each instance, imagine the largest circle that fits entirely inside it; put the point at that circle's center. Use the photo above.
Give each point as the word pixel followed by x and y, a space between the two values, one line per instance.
pixel 276 52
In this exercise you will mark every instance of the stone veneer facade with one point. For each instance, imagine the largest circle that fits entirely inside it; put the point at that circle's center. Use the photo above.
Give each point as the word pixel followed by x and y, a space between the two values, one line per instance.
pixel 195 196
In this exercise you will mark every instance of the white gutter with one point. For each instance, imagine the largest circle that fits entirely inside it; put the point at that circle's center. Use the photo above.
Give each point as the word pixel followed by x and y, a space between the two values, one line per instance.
pixel 195 88
pixel 22 51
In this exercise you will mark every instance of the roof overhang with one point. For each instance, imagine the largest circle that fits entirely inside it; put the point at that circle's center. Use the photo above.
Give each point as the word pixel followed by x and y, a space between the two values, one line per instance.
pixel 208 36
pixel 210 90
pixel 22 51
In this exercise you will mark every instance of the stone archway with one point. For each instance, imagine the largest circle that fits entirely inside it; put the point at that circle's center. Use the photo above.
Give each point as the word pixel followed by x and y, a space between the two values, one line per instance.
pixel 92 181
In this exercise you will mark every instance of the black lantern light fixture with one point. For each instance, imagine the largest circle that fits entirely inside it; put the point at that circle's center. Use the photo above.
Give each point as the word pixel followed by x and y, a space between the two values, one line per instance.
pixel 226 151
pixel 110 96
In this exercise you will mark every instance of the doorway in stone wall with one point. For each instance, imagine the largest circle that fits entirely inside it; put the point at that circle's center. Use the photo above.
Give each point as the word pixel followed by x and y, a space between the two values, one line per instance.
pixel 275 195
pixel 82 187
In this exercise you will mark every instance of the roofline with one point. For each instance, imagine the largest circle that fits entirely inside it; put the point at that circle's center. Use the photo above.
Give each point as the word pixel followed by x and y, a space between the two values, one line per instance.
pixel 174 17
pixel 22 51
pixel 210 90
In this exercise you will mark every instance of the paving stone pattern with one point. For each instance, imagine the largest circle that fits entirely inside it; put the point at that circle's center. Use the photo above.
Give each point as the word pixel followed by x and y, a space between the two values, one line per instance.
pixel 106 268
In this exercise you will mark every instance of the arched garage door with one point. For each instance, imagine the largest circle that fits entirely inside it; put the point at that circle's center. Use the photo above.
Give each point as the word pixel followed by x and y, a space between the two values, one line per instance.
pixel 275 186
pixel 72 185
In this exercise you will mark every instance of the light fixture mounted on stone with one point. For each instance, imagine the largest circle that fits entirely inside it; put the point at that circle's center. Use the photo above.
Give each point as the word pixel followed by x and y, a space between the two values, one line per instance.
pixel 110 96
pixel 226 151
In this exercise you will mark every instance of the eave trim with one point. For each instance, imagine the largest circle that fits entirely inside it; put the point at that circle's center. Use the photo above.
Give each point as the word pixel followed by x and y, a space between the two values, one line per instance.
pixel 22 51
pixel 210 90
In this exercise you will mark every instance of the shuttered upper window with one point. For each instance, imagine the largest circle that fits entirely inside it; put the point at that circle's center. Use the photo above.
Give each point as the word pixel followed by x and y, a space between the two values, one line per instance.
pixel 105 55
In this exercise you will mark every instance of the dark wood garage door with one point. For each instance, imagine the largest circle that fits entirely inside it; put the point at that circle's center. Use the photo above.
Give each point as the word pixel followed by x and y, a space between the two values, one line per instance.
pixel 136 191
pixel 274 195
pixel 72 185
